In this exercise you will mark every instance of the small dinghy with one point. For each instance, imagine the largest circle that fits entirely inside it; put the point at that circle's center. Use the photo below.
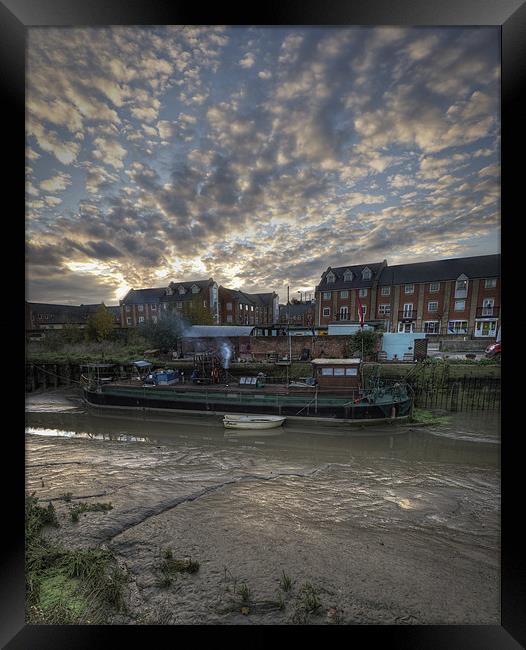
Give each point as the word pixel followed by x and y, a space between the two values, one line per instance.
pixel 252 421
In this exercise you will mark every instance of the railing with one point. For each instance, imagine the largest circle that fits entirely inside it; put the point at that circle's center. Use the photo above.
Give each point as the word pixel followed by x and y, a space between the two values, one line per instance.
pixel 462 394
pixel 407 314
pixel 484 312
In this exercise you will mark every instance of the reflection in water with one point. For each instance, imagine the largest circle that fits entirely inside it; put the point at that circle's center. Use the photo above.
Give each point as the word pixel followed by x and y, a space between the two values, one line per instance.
pixel 399 515
pixel 59 433
pixel 476 441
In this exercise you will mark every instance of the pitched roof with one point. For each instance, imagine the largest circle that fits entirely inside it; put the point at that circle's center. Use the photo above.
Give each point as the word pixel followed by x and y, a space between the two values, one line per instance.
pixel 68 313
pixel 481 266
pixel 140 296
pixel 259 299
pixel 202 284
pixel 357 280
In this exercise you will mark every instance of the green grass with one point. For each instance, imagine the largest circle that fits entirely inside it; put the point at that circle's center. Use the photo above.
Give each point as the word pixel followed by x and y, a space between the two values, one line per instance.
pixel 285 582
pixel 67 586
pixel 421 416
pixel 82 507
pixel 170 567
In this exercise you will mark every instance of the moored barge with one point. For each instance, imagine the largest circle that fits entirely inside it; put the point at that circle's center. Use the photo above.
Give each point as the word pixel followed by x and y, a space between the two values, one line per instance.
pixel 335 391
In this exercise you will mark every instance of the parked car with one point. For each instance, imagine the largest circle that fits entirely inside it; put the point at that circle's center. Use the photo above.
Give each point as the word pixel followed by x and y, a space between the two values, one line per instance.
pixel 493 351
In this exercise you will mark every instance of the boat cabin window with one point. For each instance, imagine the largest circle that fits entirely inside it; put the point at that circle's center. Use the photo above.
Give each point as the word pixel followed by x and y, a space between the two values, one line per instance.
pixel 351 371
pixel 339 371
pixel 327 371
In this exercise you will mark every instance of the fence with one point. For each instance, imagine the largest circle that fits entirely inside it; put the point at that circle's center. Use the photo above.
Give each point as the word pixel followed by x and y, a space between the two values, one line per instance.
pixel 462 394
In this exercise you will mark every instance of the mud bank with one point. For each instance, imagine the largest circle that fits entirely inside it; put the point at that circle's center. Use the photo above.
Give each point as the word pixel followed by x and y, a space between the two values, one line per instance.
pixel 383 528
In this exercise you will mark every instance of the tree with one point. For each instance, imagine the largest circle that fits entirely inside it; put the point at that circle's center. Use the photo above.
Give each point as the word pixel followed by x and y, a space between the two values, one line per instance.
pixel 198 314
pixel 100 324
pixel 366 338
pixel 164 334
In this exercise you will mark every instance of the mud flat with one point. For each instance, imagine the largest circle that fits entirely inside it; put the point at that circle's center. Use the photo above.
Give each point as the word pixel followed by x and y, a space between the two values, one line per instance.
pixel 287 526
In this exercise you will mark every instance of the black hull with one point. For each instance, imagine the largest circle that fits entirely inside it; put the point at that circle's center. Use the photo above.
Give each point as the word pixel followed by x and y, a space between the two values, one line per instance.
pixel 151 402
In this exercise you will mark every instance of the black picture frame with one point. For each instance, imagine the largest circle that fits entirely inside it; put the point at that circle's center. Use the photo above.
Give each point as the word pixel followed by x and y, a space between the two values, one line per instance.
pixel 510 15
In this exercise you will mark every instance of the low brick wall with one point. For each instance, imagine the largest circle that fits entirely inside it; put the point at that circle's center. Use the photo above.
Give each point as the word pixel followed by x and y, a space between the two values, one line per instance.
pixel 471 345
pixel 329 346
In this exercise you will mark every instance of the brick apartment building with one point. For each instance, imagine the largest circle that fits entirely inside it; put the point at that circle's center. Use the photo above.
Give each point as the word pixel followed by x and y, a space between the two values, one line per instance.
pixel 49 316
pixel 299 313
pixel 241 308
pixel 141 306
pixel 452 296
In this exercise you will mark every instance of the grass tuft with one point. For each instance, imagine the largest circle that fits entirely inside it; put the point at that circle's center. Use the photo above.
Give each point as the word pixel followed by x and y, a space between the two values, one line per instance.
pixel 82 507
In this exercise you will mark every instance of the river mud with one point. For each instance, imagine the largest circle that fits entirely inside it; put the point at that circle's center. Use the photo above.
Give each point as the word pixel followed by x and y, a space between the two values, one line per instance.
pixel 397 525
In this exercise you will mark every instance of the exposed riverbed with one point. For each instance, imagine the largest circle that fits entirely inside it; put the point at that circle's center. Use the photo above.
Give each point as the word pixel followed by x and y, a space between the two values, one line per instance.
pixel 397 525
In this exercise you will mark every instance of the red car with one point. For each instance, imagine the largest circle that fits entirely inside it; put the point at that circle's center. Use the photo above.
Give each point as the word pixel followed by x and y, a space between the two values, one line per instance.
pixel 493 351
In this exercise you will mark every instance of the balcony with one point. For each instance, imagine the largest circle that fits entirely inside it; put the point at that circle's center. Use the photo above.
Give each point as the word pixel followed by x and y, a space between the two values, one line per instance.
pixel 407 314
pixel 488 312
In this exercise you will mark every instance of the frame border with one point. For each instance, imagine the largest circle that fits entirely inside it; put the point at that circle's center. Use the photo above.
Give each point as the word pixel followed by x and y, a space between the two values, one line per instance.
pixel 510 15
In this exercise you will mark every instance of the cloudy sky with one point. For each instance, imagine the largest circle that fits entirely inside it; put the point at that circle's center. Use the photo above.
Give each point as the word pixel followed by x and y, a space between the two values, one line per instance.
pixel 256 156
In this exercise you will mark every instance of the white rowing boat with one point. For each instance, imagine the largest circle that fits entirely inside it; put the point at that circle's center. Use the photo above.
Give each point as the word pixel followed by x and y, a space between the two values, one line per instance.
pixel 252 421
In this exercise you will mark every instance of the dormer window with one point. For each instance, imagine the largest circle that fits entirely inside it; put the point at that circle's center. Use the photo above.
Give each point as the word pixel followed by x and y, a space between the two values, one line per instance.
pixel 195 288
pixel 169 291
pixel 347 276
pixel 181 290
pixel 366 274
pixel 330 277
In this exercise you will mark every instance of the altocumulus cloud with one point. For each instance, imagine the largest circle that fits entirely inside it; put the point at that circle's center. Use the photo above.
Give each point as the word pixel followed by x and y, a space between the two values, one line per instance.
pixel 257 156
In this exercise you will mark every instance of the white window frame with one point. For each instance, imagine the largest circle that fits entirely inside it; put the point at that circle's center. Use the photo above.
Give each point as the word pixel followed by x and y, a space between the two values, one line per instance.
pixel 402 327
pixel 344 313
pixel 479 324
pixel 326 295
pixel 384 309
pixel 128 320
pixel 434 287
pixel 140 307
pixel 386 291
pixel 407 313
pixel 330 278
pixel 327 372
pixel 462 291
pixel 179 305
pixel 127 307
pixel 492 283
pixel 457 303
pixel 487 309
pixel 367 274
pixel 153 307
pixel 181 290
pixel 348 276
pixel 362 293
pixel 409 288
pixel 344 294
pixel 432 322
pixel 326 311
pixel 434 308
pixel 456 329
pixel 141 319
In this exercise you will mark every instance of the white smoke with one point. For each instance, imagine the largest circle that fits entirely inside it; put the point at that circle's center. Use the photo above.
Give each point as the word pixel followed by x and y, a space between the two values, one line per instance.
pixel 226 353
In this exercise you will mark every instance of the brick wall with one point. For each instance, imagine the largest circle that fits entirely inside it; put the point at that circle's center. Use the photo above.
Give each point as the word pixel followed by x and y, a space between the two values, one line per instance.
pixel 332 346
